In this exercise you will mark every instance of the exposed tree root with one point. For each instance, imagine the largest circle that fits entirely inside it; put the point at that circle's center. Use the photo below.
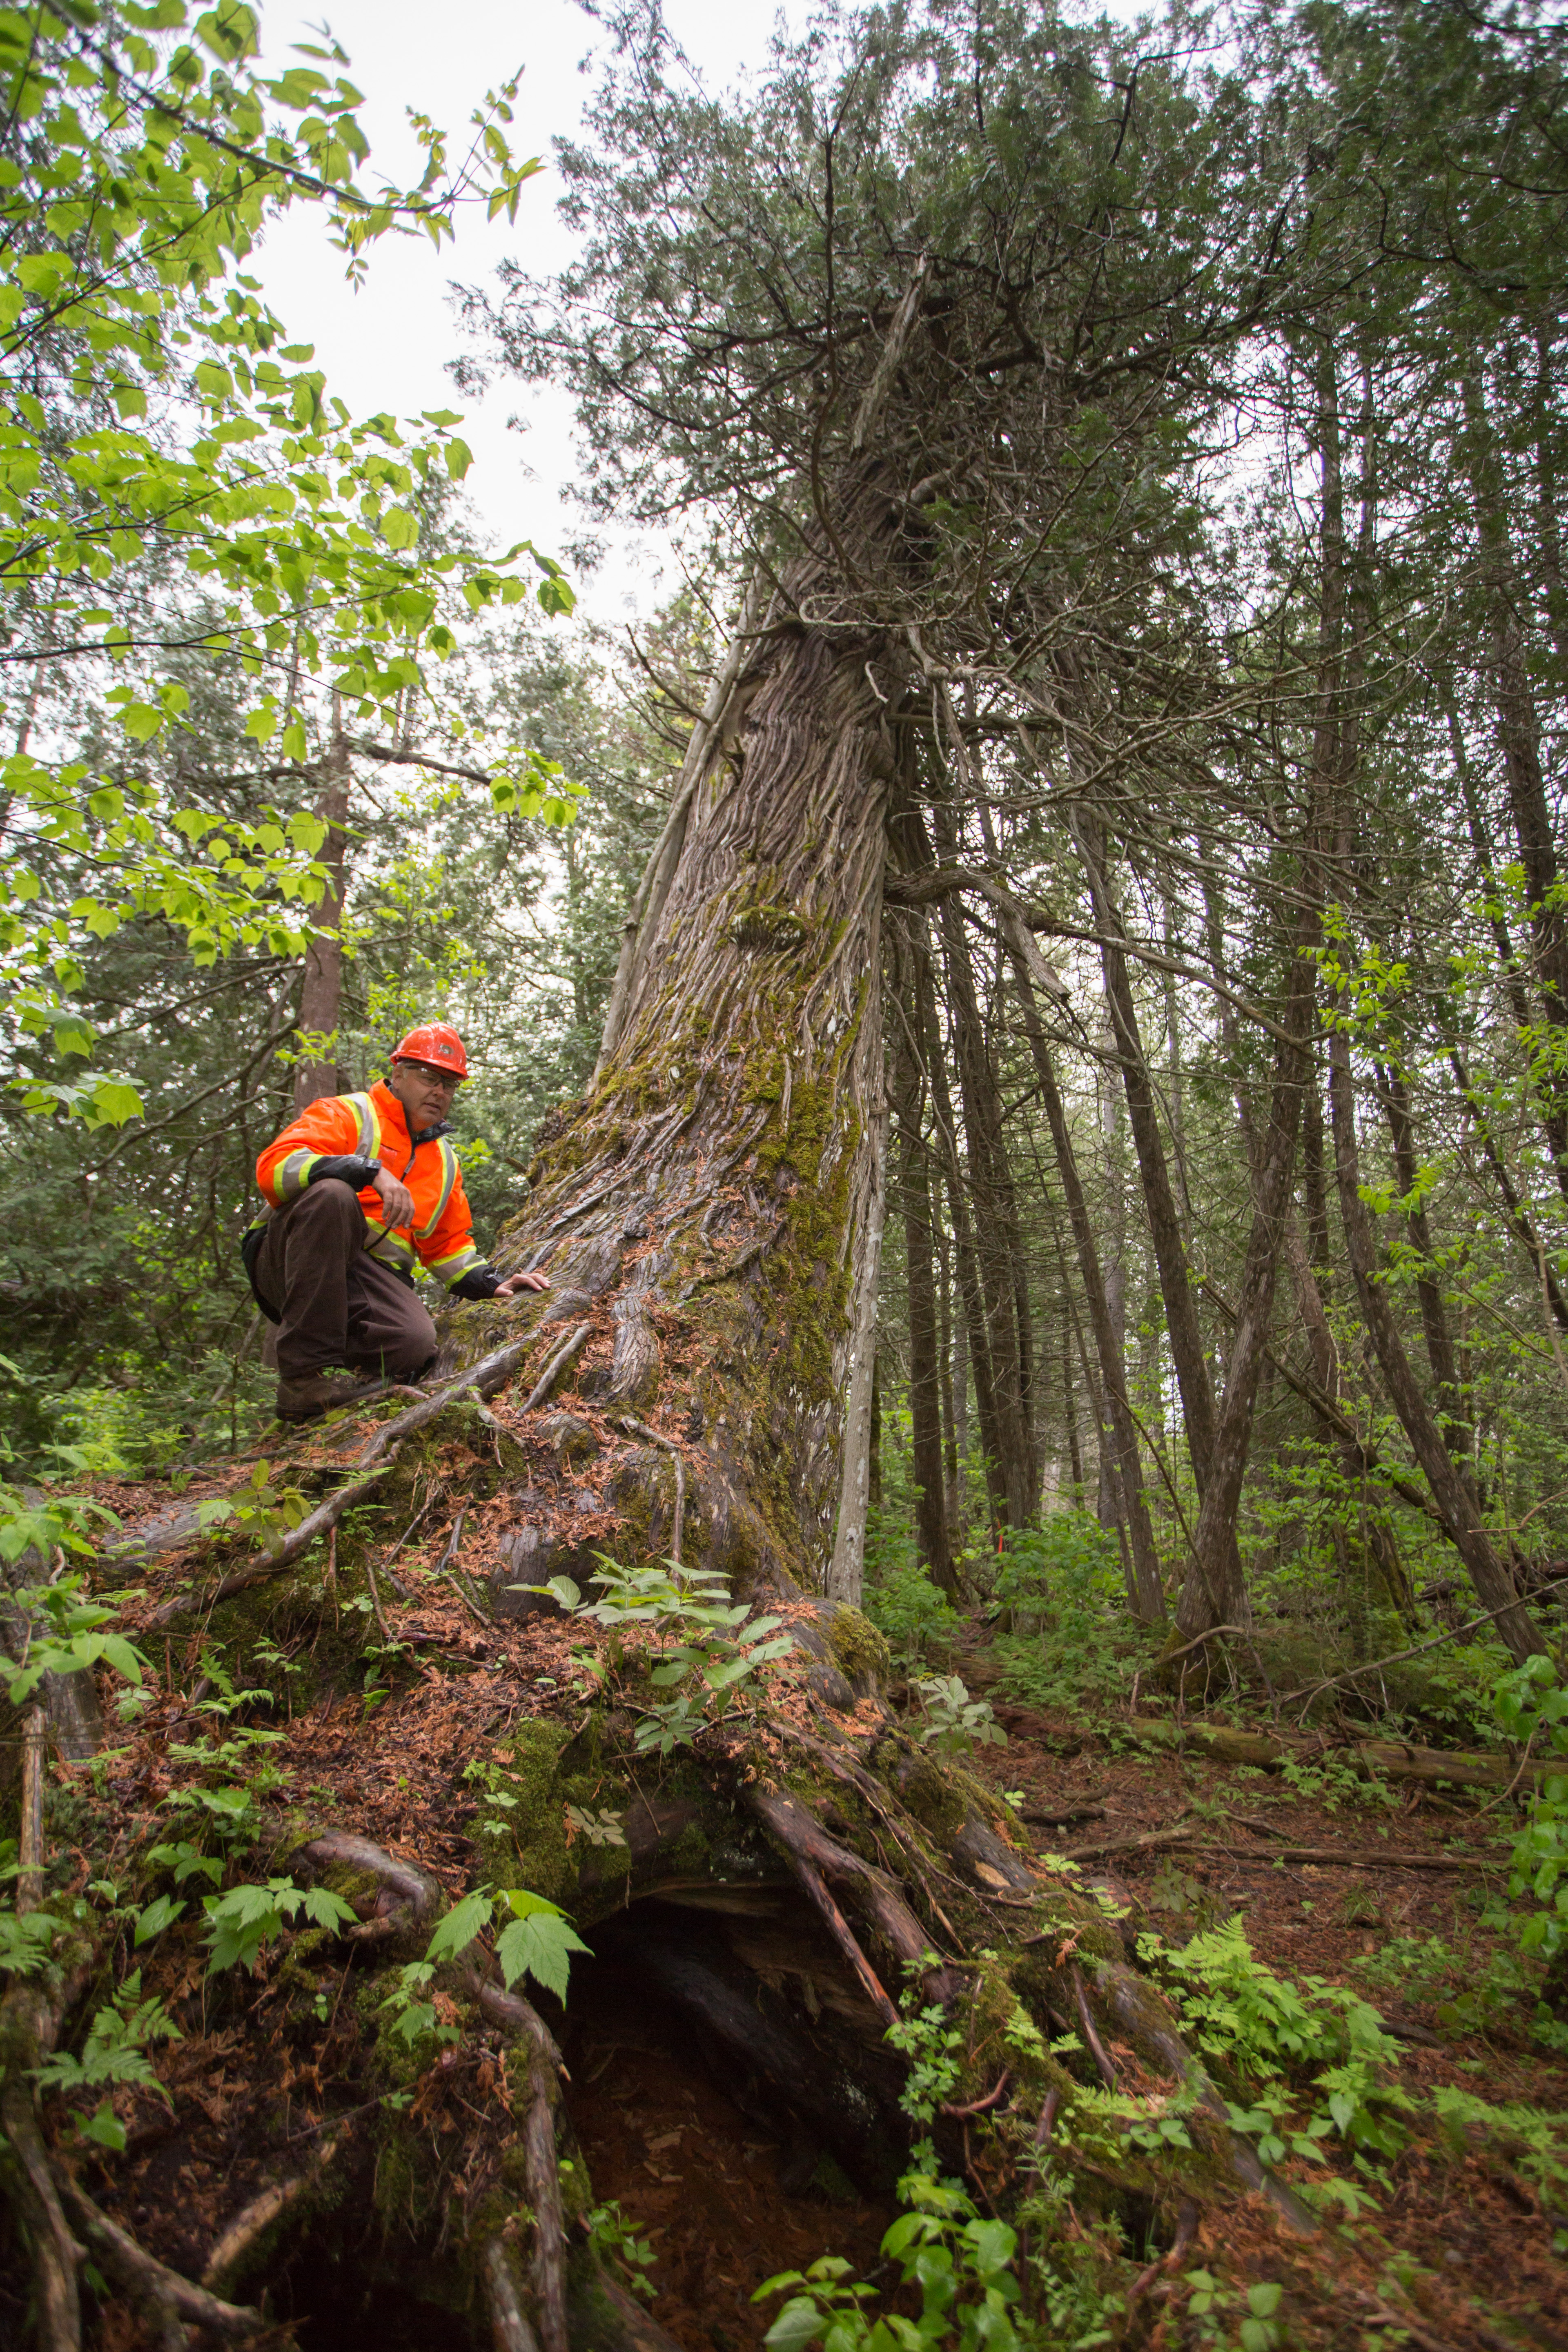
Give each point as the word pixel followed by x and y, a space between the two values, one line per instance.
pixel 263 2214
pixel 171 2299
pixel 815 1857
pixel 57 2256
pixel 509 2326
pixel 377 1458
pixel 408 1899
pixel 780 1889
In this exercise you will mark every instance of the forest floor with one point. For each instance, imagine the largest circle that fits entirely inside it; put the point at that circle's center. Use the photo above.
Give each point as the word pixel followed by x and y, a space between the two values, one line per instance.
pixel 1452 2232
pixel 1455 2241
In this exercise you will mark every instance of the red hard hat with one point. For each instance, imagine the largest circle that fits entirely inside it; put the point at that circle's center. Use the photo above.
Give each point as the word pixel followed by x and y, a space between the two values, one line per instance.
pixel 434 1042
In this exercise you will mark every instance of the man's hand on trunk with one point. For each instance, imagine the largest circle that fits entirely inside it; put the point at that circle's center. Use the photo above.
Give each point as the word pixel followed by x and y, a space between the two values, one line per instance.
pixel 516 1282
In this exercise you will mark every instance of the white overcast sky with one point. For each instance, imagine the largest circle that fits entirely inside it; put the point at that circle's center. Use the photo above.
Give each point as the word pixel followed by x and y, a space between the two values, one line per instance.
pixel 387 347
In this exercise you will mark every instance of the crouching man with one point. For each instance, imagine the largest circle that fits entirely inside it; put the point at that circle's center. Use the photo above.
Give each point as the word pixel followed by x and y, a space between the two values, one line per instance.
pixel 360 1189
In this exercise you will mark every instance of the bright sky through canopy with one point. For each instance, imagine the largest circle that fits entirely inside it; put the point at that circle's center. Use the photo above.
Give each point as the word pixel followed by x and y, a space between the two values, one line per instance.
pixel 388 346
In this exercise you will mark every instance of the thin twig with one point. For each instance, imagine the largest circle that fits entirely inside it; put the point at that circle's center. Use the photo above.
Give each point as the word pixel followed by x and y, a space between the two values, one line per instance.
pixel 374 1593
pixel 449 1573
pixel 983 2105
pixel 1101 2055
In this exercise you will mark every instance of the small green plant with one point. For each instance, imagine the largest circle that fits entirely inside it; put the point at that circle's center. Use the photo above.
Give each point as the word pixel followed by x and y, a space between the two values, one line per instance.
pixel 615 2239
pixel 963 2265
pixel 955 1724
pixel 26 1939
pixel 1533 2140
pixel 598 1828
pixel 1260 2028
pixel 114 2052
pixel 65 1633
pixel 244 1921
pixel 538 1941
pixel 1331 1783
pixel 711 1673
pixel 259 1512
pixel 46 1522
pixel 1532 1706
pixel 1219 2310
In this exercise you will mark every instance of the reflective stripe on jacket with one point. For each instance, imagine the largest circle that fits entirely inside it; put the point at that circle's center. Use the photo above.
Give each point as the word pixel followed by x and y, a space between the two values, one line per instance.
pixel 372 1127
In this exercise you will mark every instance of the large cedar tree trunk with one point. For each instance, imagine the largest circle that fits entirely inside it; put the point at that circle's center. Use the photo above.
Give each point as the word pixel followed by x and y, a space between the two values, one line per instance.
pixel 702 1210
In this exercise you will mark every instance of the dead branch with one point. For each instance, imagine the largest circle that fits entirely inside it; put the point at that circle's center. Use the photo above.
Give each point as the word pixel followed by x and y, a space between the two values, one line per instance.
pixel 566 1354
pixel 1388 1758
pixel 30 1872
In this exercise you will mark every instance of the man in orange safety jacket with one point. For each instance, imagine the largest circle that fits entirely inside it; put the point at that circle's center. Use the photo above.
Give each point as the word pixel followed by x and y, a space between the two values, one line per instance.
pixel 360 1189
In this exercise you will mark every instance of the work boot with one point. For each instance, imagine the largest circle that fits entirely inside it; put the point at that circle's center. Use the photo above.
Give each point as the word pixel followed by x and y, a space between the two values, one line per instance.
pixel 317 1392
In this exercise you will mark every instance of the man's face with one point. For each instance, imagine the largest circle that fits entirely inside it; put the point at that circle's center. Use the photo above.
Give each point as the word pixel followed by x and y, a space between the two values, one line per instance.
pixel 425 1093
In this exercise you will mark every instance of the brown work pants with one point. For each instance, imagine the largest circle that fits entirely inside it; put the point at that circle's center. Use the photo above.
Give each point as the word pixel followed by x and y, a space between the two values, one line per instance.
pixel 335 1303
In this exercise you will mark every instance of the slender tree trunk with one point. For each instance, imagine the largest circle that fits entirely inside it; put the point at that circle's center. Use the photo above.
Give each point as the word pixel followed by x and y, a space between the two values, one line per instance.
pixel 925 1349
pixel 1518 1215
pixel 1334 1445
pixel 1451 1407
pixel 1164 1224
pixel 947 1342
pixel 1451 1492
pixel 1070 1402
pixel 1147 1595
pixel 857 1470
pixel 322 987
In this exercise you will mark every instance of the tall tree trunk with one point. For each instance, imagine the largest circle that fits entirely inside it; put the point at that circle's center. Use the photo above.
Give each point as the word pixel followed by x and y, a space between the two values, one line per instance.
pixel 1164 1224
pixel 709 1211
pixel 972 1305
pixel 1215 1584
pixel 947 1342
pixel 925 1350
pixel 322 987
pixel 1148 1597
pixel 995 1221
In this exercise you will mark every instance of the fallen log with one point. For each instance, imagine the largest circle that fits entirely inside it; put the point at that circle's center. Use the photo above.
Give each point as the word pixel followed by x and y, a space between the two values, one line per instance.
pixel 1336 1857
pixel 1389 1760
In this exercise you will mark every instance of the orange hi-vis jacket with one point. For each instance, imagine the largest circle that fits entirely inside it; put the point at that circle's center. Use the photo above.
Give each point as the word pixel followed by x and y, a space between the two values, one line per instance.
pixel 342 1136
